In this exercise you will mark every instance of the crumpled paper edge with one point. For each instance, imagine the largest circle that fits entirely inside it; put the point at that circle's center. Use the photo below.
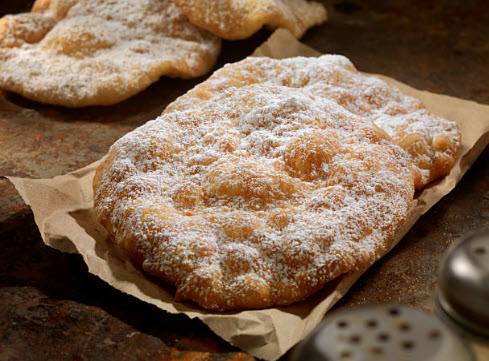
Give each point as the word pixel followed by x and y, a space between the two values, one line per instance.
pixel 63 211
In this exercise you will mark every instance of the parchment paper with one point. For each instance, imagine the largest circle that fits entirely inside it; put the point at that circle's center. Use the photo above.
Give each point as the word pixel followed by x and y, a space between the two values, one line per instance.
pixel 63 211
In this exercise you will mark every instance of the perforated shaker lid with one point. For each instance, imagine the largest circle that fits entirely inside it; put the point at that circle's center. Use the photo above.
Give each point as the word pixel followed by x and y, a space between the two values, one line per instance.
pixel 382 333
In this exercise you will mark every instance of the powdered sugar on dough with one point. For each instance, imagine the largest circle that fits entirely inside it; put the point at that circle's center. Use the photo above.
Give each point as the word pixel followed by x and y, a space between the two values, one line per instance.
pixel 239 19
pixel 96 52
pixel 254 198
pixel 432 142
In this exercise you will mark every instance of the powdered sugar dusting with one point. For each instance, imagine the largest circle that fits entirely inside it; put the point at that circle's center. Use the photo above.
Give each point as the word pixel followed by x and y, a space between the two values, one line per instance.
pixel 432 142
pixel 94 52
pixel 255 197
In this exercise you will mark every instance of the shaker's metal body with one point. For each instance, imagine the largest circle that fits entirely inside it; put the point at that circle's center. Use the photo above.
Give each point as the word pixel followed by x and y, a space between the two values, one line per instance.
pixel 463 287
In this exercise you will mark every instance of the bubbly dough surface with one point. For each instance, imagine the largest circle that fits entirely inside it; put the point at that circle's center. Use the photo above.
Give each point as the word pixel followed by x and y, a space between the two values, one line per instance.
pixel 239 19
pixel 98 52
pixel 432 142
pixel 255 197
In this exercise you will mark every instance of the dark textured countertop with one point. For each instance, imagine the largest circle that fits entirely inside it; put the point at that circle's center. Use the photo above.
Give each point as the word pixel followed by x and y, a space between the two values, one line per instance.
pixel 51 308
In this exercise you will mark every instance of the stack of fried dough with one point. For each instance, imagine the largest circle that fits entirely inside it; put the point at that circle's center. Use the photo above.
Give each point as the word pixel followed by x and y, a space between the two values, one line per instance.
pixel 270 179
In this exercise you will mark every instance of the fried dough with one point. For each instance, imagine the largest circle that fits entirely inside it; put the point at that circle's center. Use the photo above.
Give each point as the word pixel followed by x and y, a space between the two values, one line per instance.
pixel 239 19
pixel 96 52
pixel 255 197
pixel 432 142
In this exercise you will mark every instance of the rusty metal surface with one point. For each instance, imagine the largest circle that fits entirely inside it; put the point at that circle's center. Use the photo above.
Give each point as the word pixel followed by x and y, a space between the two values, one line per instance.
pixel 51 308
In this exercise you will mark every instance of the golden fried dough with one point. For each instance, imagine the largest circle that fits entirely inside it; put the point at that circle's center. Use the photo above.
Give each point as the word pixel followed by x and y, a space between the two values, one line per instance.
pixel 432 142
pixel 256 197
pixel 239 19
pixel 97 52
